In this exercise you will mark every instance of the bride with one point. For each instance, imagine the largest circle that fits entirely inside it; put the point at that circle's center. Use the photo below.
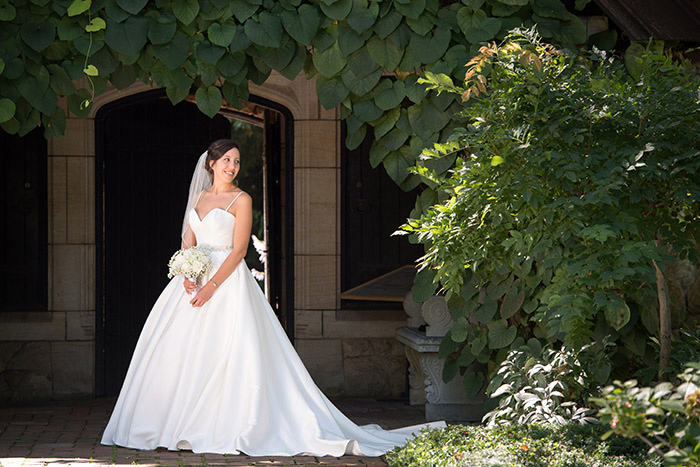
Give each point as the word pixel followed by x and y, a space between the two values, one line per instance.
pixel 215 372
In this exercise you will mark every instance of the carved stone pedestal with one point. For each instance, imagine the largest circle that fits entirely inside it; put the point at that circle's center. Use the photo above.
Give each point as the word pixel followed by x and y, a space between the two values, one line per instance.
pixel 443 401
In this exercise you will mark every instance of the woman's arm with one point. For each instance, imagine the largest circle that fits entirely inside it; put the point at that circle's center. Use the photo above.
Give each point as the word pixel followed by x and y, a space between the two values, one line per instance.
pixel 243 211
pixel 188 241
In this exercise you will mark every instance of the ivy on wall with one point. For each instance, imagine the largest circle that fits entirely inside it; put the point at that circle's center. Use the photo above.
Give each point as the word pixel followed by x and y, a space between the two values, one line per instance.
pixel 366 56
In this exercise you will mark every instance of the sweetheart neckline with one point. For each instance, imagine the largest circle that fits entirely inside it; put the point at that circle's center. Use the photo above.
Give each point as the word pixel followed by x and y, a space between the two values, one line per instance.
pixel 201 219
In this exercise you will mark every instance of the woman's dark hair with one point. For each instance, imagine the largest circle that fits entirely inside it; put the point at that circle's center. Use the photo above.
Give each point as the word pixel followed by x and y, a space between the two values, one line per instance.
pixel 216 150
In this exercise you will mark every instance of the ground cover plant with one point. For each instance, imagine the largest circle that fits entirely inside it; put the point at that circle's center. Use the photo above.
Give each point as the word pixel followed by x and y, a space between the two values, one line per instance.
pixel 521 446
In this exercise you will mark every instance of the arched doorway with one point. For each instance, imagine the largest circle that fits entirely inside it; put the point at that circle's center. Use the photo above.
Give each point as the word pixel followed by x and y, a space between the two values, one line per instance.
pixel 145 153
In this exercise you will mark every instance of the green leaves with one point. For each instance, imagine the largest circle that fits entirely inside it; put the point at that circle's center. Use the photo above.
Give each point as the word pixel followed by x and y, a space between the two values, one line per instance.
pixel 429 48
pixel 265 31
pixel 185 10
pixel 128 37
pixel 7 109
pixel 38 36
pixel 476 26
pixel 208 100
pixel 331 92
pixel 329 61
pixel 221 34
pixel 385 52
pixel 500 334
pixel 303 24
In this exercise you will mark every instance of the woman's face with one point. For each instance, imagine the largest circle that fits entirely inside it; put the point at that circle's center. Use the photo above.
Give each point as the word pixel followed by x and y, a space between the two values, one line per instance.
pixel 226 167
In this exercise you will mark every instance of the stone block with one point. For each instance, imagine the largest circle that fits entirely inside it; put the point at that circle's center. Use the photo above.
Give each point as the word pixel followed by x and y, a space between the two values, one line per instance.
pixel 80 200
pixel 316 143
pixel 73 369
pixel 323 359
pixel 80 325
pixel 58 206
pixel 73 275
pixel 374 367
pixel 78 140
pixel 316 207
pixel 316 284
pixel 308 324
pixel 32 326
pixel 362 323
pixel 25 371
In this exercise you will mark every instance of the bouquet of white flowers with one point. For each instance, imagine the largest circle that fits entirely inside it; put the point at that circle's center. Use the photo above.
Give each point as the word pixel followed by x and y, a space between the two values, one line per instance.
pixel 192 263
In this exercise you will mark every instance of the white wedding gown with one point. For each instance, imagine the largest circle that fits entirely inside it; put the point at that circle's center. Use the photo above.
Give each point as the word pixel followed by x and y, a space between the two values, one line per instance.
pixel 224 378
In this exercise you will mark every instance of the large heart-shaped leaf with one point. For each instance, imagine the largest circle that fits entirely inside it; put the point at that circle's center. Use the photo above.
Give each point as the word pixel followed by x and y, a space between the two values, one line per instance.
pixel 68 29
pixel 386 122
pixel 208 100
pixel 128 37
pixel 411 9
pixel 123 77
pixel 279 57
pixel 390 96
pixel 387 24
pixel 361 86
pixel 476 26
pixel 7 109
pixel 473 383
pixel 79 6
pixel 423 285
pixel 7 12
pixel 430 48
pixel 174 53
pixel 266 31
pixel 209 53
pixel 303 24
pixel 185 10
pixel 132 6
pixel 337 9
pixel 617 313
pixel 362 15
pixel 331 92
pixel 550 9
pixel 161 33
pixel 366 110
pixel 349 40
pixel 397 164
pixel 500 334
pixel 244 9
pixel 394 139
pixel 512 301
pixel 60 81
pixel 296 65
pixel 54 124
pixel 221 34
pixel 38 36
pixel 330 61
pixel 385 52
pixel 377 153
pixel 230 64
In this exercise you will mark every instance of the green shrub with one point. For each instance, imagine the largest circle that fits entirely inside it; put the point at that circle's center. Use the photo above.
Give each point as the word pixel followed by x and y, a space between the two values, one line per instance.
pixel 544 385
pixel 569 445
pixel 666 416
pixel 573 175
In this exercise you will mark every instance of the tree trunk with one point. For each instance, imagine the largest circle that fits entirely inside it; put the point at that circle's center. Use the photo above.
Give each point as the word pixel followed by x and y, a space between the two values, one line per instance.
pixel 664 319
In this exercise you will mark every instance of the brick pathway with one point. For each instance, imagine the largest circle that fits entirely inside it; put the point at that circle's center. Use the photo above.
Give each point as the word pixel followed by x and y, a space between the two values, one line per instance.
pixel 68 433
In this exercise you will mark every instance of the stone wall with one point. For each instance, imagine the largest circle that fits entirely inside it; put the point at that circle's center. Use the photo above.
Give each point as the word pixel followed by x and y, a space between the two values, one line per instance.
pixel 51 355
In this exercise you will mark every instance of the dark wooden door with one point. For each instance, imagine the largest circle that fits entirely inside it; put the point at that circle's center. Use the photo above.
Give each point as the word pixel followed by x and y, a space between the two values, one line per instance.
pixel 23 210
pixel 146 152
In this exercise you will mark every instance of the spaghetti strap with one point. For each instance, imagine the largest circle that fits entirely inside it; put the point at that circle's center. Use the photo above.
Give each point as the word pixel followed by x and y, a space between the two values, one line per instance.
pixel 234 200
pixel 197 202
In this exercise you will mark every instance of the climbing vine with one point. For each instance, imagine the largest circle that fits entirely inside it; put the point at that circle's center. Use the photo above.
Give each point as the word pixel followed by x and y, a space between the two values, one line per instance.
pixel 366 55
